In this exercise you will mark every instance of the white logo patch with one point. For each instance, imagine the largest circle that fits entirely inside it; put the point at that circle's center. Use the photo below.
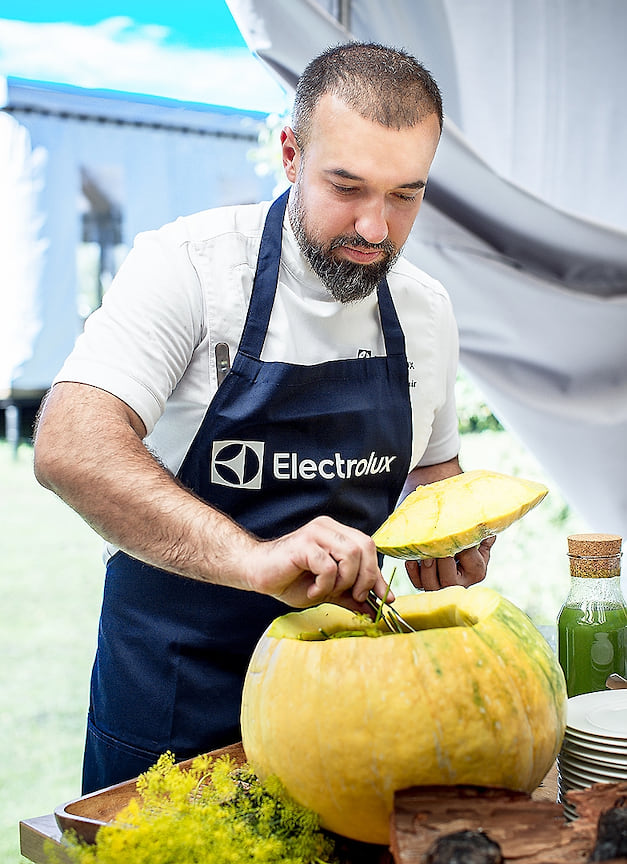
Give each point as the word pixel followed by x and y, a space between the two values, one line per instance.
pixel 237 464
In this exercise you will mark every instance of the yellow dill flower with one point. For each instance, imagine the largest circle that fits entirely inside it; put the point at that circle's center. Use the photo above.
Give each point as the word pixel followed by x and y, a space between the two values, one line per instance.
pixel 211 811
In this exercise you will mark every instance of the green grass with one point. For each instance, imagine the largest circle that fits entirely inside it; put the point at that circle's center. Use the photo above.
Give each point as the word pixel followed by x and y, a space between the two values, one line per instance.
pixel 49 600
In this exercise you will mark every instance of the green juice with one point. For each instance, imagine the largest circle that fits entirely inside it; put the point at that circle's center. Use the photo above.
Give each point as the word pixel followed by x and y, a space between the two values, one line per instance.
pixel 592 643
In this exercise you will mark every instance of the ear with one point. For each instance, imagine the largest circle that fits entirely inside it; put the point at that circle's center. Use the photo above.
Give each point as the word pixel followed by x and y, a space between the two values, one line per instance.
pixel 290 152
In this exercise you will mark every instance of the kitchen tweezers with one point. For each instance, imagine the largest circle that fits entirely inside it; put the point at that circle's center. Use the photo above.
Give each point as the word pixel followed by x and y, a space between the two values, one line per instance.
pixel 395 622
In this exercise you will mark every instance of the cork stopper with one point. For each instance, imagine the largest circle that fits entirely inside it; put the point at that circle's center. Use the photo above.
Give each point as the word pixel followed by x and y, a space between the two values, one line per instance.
pixel 595 556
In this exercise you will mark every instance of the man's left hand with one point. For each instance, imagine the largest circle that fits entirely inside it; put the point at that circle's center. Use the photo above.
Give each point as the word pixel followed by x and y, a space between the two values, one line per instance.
pixel 466 568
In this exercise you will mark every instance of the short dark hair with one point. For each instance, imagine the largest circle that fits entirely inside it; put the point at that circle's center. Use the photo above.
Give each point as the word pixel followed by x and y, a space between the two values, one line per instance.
pixel 385 85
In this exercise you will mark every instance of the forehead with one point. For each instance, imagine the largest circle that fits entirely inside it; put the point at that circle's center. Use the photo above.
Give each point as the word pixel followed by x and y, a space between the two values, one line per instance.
pixel 342 139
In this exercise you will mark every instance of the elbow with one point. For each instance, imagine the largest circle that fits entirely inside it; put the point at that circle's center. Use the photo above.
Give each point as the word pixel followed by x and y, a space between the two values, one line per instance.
pixel 50 455
pixel 45 465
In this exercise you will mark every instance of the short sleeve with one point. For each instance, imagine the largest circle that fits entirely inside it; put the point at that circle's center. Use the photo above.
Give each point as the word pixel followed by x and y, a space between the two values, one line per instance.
pixel 138 344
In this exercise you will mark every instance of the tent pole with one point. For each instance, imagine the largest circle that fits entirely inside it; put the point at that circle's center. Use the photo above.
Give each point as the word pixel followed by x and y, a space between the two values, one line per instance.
pixel 344 13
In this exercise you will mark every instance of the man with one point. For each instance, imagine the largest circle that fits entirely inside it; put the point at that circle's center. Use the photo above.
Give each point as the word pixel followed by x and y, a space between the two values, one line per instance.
pixel 223 502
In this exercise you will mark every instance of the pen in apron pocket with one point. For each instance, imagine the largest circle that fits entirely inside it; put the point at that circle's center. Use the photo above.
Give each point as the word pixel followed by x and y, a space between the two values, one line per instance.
pixel 223 361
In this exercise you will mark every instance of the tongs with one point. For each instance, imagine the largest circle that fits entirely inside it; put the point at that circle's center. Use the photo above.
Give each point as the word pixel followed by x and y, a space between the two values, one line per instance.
pixel 386 612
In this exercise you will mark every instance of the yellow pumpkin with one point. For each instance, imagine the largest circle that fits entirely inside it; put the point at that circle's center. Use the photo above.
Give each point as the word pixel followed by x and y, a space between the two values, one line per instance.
pixel 476 696
pixel 442 518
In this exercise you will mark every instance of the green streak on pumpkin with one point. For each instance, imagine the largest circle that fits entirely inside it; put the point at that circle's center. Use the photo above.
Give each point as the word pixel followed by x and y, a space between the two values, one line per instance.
pixel 476 696
pixel 538 651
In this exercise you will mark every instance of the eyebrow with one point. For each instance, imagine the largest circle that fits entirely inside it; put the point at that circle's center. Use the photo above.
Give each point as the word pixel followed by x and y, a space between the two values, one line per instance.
pixel 346 175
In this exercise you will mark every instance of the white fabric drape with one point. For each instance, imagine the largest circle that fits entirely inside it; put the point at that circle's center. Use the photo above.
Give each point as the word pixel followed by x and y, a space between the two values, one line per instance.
pixel 525 220
pixel 23 248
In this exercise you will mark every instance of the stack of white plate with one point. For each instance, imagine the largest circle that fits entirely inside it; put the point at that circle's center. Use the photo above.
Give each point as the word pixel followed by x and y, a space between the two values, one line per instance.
pixel 595 744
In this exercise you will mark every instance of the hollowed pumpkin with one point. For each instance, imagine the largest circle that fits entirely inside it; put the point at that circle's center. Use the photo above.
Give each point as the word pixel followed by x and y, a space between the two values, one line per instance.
pixel 475 697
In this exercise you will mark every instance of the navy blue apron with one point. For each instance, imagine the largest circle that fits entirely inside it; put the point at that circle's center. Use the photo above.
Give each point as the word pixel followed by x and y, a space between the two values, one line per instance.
pixel 280 443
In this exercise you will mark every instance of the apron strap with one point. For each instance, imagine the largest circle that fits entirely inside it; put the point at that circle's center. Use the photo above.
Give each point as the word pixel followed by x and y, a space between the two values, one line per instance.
pixel 390 325
pixel 266 278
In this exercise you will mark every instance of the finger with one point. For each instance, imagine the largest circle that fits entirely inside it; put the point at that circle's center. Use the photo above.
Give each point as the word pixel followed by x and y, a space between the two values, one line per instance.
pixel 344 578
pixel 471 565
pixel 324 570
pixel 357 563
pixel 413 571
pixel 429 575
pixel 352 574
pixel 369 578
pixel 423 574
pixel 354 569
pixel 485 546
pixel 450 572
pixel 384 589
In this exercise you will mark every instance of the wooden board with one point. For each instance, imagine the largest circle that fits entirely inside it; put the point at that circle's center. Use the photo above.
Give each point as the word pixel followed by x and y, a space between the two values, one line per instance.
pixel 529 831
pixel 37 836
pixel 87 814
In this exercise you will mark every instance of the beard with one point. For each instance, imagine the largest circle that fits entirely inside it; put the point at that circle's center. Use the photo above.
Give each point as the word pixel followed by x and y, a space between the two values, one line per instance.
pixel 346 281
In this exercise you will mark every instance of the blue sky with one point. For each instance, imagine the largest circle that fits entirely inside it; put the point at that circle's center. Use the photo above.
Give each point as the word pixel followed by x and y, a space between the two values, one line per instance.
pixel 207 25
pixel 180 50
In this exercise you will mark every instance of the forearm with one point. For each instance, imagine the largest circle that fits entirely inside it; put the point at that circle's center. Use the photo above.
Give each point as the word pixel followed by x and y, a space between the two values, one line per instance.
pixel 422 475
pixel 89 451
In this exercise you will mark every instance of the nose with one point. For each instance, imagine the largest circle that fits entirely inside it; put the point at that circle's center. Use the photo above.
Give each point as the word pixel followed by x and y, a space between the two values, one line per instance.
pixel 371 222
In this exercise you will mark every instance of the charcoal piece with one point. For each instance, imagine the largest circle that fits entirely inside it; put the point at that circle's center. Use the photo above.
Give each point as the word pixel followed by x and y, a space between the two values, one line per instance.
pixel 611 835
pixel 464 847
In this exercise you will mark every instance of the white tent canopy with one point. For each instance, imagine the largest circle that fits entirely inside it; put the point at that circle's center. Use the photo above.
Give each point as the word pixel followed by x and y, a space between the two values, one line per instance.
pixel 525 219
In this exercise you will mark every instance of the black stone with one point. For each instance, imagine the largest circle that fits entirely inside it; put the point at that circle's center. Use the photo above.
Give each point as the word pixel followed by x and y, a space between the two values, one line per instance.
pixel 464 847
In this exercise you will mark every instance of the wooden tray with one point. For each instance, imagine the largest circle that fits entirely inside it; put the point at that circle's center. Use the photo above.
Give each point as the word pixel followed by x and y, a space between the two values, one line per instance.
pixel 87 814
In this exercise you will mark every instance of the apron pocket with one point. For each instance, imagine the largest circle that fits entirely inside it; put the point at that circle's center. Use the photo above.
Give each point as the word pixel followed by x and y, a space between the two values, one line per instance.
pixel 109 761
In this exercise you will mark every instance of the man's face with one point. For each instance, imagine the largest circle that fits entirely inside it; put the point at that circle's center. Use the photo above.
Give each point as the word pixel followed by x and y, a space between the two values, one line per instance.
pixel 357 190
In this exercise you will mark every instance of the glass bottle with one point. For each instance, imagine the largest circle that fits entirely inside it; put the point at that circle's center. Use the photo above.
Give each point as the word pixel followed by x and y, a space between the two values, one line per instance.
pixel 592 624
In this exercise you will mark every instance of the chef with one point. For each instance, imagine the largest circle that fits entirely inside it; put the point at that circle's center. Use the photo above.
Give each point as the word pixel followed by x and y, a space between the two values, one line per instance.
pixel 259 387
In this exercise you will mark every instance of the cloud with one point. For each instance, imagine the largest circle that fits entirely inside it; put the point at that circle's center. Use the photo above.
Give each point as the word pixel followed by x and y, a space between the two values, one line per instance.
pixel 119 54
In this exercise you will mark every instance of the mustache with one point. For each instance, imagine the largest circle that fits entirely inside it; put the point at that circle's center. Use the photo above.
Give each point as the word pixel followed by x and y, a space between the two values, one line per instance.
pixel 357 241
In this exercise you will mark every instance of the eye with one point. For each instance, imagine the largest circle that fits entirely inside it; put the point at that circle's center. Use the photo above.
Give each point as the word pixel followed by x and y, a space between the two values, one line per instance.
pixel 344 190
pixel 405 197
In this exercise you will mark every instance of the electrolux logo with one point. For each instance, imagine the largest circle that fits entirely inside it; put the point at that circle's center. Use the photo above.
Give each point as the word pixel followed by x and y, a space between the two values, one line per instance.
pixel 287 466
pixel 239 464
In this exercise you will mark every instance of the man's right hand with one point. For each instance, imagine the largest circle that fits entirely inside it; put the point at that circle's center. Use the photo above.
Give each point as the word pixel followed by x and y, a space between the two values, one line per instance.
pixel 324 561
